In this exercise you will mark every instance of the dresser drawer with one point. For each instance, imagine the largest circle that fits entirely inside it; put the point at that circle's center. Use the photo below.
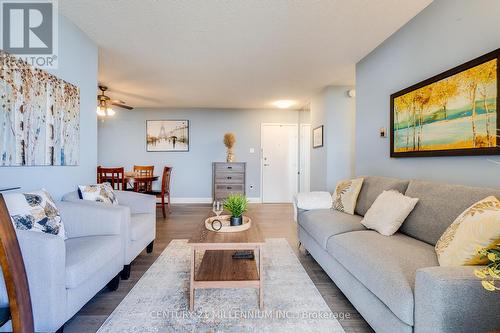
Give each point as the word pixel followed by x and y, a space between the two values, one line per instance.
pixel 229 178
pixel 236 167
pixel 229 188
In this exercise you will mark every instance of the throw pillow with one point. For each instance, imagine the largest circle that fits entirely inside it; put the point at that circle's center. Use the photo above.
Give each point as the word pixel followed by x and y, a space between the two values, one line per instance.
pixel 35 211
pixel 98 192
pixel 346 195
pixel 477 227
pixel 388 212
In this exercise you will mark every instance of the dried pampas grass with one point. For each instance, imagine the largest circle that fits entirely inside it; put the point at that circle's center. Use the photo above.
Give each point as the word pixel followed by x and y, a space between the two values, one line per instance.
pixel 229 140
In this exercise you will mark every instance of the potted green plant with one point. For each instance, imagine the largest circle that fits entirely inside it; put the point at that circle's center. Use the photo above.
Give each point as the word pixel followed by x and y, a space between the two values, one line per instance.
pixel 236 204
pixel 491 272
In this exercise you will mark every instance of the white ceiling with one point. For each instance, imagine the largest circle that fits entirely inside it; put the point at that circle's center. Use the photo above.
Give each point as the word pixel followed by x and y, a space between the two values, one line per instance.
pixel 232 53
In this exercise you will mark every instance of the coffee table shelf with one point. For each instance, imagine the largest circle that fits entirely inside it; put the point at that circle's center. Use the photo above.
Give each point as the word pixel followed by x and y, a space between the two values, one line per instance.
pixel 218 265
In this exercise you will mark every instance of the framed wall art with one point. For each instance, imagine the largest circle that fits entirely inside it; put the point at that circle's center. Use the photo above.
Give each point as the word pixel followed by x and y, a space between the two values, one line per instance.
pixel 451 114
pixel 39 116
pixel 167 135
pixel 317 137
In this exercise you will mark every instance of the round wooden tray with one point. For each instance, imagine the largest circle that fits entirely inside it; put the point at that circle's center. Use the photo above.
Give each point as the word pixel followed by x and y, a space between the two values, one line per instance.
pixel 226 225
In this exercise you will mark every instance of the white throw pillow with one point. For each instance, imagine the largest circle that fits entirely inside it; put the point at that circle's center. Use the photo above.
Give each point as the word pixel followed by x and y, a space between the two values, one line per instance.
pixel 388 212
pixel 35 211
pixel 346 195
pixel 98 192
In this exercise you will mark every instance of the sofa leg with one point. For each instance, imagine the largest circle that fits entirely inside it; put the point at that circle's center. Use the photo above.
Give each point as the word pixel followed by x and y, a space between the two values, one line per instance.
pixel 125 274
pixel 61 329
pixel 113 284
pixel 149 249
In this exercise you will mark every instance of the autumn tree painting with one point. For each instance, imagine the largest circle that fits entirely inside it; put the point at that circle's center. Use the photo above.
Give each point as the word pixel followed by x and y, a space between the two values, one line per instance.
pixel 456 113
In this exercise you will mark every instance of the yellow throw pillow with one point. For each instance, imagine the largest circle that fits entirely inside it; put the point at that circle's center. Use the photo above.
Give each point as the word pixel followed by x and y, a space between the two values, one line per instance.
pixel 477 227
pixel 346 195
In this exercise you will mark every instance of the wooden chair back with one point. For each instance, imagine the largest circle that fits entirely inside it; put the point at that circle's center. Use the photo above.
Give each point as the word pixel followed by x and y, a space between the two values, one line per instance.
pixel 165 180
pixel 114 176
pixel 147 171
pixel 144 170
pixel 16 281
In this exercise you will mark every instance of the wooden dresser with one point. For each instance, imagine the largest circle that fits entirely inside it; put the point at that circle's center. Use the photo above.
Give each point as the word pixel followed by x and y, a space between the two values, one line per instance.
pixel 228 178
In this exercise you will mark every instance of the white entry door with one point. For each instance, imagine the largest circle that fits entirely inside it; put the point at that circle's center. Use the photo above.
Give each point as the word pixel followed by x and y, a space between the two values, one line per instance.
pixel 280 148
pixel 305 158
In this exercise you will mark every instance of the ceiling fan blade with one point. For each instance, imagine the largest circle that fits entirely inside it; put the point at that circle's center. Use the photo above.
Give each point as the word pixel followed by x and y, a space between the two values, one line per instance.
pixel 120 105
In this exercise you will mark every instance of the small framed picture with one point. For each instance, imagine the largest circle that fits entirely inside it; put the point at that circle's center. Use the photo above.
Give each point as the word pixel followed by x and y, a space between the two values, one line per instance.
pixel 318 137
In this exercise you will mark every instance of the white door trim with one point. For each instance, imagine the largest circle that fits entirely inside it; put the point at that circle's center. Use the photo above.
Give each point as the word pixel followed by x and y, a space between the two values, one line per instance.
pixel 296 125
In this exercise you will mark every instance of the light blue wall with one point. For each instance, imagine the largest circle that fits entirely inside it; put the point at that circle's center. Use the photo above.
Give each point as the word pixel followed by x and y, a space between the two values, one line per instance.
pixel 335 110
pixel 445 34
pixel 122 143
pixel 77 65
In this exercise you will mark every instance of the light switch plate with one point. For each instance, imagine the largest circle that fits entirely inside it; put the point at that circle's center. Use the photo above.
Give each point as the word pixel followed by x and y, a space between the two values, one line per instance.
pixel 252 150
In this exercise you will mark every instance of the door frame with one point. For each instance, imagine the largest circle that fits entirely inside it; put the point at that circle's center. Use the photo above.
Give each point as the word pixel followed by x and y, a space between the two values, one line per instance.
pixel 301 126
pixel 296 125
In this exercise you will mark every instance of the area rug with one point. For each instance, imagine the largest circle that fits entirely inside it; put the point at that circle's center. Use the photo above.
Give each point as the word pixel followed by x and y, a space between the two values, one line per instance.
pixel 159 300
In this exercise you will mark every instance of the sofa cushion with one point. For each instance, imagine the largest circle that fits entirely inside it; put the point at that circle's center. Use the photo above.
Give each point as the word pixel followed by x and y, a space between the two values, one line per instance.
pixel 438 206
pixel 321 224
pixel 385 265
pixel 371 189
pixel 141 225
pixel 85 257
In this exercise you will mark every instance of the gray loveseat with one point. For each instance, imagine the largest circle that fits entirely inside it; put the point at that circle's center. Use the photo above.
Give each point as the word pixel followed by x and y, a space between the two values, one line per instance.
pixel 395 282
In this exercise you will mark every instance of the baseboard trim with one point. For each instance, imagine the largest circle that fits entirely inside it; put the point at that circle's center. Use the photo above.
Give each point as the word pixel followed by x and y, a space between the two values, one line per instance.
pixel 206 200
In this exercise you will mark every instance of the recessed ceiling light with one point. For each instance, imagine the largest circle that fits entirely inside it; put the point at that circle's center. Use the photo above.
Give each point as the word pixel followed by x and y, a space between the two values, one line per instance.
pixel 284 103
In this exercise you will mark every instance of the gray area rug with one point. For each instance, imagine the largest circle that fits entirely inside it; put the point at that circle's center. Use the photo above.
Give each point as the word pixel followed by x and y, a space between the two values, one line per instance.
pixel 159 300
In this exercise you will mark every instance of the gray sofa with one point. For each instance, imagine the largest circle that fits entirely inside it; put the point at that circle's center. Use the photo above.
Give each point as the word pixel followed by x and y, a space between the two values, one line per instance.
pixel 63 275
pixel 395 282
pixel 139 222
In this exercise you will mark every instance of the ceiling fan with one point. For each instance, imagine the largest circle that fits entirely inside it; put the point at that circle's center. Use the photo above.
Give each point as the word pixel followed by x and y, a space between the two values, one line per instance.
pixel 104 102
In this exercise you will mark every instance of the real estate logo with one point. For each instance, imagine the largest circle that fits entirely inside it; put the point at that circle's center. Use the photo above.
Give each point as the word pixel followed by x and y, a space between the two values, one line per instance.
pixel 29 31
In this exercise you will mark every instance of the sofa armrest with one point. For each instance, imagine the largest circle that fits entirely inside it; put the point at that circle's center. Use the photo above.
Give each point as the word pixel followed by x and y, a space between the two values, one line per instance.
pixel 452 299
pixel 44 257
pixel 138 203
pixel 88 218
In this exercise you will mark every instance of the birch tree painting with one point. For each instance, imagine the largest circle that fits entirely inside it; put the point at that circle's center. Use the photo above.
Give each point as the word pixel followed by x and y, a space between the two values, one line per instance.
pixel 456 112
pixel 39 116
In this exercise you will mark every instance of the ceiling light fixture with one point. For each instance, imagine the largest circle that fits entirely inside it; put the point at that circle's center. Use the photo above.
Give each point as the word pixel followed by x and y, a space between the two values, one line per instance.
pixel 284 103
pixel 103 110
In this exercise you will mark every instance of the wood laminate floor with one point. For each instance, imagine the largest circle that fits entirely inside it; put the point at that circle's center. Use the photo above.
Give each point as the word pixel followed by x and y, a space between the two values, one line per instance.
pixel 275 221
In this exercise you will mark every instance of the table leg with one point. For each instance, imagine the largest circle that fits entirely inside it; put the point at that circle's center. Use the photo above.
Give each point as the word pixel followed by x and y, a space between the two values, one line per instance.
pixel 261 279
pixel 191 282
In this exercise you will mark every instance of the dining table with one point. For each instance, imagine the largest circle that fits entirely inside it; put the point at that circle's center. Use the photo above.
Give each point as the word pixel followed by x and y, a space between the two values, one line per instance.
pixel 135 179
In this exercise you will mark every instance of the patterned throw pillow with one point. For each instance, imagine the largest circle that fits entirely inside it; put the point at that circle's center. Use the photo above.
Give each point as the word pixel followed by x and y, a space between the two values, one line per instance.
pixel 477 227
pixel 98 192
pixel 346 195
pixel 35 211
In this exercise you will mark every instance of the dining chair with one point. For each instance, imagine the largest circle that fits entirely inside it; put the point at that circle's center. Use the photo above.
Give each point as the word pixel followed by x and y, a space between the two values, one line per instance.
pixel 147 171
pixel 114 176
pixel 165 190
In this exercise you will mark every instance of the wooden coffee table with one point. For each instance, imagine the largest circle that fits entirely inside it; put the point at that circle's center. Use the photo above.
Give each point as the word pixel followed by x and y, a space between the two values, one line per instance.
pixel 218 269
